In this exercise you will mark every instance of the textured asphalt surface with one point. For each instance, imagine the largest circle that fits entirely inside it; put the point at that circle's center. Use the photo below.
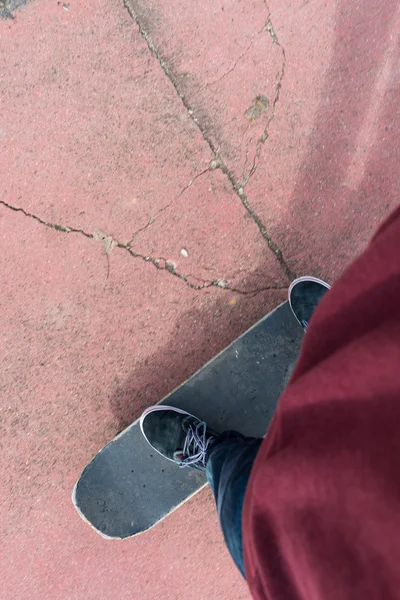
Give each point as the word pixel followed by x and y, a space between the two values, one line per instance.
pixel 165 171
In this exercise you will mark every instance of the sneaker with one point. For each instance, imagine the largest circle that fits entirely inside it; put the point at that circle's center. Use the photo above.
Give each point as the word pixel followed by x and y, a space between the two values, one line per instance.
pixel 305 293
pixel 177 435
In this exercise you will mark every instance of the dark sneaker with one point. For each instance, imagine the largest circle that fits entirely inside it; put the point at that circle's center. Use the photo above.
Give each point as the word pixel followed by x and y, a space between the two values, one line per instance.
pixel 177 435
pixel 305 293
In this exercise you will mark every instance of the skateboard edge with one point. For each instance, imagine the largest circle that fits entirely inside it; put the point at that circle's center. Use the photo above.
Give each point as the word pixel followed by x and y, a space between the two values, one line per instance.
pixel 121 433
pixel 114 537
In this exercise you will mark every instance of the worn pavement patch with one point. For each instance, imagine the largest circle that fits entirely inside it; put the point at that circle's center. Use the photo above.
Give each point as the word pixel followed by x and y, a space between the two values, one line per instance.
pixel 7 7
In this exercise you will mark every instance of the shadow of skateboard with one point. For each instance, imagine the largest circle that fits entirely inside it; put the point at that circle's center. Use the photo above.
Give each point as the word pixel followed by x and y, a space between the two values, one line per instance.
pixel 128 487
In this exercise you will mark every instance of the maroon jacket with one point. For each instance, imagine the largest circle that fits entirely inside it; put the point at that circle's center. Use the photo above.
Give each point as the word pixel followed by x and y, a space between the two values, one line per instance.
pixel 322 509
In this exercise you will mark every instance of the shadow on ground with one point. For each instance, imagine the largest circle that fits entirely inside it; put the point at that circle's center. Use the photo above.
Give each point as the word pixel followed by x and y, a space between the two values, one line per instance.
pixel 197 337
pixel 347 185
pixel 349 180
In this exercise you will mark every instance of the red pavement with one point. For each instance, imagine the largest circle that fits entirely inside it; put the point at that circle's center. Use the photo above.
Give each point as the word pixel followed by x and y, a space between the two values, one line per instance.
pixel 263 140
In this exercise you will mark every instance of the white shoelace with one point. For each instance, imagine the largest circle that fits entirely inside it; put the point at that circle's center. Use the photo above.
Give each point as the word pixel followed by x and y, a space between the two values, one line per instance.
pixel 196 445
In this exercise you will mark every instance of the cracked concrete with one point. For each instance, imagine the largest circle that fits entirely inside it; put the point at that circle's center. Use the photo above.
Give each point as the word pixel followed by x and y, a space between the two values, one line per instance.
pixel 127 207
pixel 228 134
pixel 236 185
pixel 163 180
pixel 246 177
pixel 167 206
pixel 109 243
pixel 239 58
pixel 321 186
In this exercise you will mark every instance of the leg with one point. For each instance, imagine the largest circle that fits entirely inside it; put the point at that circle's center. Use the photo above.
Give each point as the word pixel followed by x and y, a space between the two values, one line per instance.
pixel 228 465
pixel 321 512
pixel 230 458
pixel 227 459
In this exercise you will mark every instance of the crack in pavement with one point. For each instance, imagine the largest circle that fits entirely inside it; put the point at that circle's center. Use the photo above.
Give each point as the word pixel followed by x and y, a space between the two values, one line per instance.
pixel 109 243
pixel 164 208
pixel 237 187
pixel 270 28
pixel 207 85
pixel 49 224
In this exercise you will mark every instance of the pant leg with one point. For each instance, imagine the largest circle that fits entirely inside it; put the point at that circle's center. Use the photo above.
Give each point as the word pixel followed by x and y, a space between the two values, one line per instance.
pixel 229 462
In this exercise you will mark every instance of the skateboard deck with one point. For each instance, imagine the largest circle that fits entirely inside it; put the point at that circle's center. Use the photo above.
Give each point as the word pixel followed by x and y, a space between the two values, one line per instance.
pixel 128 487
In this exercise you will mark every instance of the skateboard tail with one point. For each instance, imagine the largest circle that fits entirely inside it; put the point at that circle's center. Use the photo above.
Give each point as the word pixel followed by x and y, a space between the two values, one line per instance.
pixel 121 538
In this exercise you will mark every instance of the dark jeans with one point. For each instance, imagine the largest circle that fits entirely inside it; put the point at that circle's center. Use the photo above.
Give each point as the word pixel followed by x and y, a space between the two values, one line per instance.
pixel 229 462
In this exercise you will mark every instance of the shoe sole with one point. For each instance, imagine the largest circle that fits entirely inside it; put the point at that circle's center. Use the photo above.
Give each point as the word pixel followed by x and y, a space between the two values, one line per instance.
pixel 299 280
pixel 153 409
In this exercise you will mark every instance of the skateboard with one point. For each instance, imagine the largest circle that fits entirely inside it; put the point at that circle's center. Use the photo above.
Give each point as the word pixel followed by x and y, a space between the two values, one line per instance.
pixel 128 487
